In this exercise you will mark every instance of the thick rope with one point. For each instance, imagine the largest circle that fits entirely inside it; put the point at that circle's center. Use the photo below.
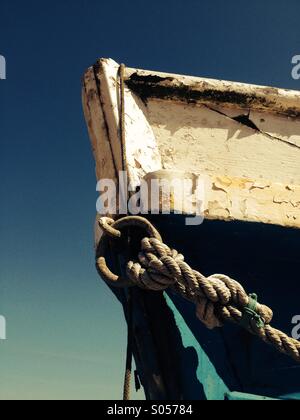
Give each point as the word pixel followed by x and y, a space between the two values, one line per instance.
pixel 218 298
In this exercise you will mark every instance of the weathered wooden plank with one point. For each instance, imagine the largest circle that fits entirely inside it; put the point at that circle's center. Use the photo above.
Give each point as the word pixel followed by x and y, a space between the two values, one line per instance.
pixel 244 139
pixel 97 127
pixel 188 89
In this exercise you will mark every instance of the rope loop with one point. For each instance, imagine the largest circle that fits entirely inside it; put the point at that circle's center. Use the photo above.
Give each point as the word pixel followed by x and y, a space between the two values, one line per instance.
pixel 113 229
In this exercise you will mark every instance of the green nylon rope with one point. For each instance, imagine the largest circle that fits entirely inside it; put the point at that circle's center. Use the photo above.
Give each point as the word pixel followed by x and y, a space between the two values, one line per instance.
pixel 251 315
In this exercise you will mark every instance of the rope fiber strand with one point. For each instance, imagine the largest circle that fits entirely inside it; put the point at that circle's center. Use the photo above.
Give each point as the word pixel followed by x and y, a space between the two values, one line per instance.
pixel 218 298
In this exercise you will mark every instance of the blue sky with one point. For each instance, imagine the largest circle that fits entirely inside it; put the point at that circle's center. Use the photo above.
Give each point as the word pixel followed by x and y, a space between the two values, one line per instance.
pixel 66 333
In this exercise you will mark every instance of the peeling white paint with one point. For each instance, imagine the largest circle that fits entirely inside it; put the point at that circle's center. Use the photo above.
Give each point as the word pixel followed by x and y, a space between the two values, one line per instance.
pixel 216 144
pixel 252 163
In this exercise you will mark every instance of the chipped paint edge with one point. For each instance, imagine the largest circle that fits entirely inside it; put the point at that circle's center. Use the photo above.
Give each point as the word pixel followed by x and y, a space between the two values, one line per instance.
pixel 236 199
pixel 149 84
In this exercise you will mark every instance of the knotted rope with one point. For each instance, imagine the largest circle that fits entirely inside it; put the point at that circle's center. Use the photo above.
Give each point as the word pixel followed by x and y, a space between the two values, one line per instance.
pixel 218 298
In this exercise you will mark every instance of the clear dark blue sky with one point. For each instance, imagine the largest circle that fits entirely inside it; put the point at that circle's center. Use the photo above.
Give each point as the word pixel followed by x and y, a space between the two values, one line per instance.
pixel 66 334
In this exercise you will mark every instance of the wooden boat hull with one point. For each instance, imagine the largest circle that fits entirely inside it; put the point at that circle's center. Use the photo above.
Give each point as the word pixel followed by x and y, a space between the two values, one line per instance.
pixel 201 127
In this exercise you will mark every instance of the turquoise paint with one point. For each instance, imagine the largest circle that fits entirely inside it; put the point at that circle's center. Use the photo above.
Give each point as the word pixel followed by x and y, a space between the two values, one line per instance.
pixel 240 396
pixel 214 387
pixel 294 396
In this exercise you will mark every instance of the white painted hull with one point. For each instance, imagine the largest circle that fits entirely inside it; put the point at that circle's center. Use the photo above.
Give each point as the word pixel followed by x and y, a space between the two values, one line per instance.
pixel 244 139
